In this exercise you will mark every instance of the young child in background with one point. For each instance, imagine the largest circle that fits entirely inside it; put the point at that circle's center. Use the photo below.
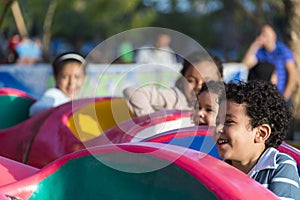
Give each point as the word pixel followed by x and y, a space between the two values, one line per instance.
pixel 198 68
pixel 69 72
pixel 251 124
pixel 207 106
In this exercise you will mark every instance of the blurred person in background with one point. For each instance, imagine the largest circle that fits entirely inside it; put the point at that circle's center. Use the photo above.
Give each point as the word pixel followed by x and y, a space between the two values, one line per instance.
pixel 266 48
pixel 11 46
pixel 159 53
pixel 29 51
pixel 198 68
pixel 69 71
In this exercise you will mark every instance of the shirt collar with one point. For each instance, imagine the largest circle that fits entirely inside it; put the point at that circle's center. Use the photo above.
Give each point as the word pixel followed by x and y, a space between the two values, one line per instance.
pixel 266 161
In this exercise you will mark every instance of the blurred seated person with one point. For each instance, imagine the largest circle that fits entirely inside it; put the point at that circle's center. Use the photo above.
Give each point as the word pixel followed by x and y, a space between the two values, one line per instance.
pixel 12 44
pixel 267 48
pixel 263 71
pixel 198 68
pixel 29 51
pixel 69 71
pixel 159 53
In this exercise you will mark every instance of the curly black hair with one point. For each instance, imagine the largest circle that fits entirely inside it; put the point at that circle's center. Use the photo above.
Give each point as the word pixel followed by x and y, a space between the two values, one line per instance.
pixel 264 105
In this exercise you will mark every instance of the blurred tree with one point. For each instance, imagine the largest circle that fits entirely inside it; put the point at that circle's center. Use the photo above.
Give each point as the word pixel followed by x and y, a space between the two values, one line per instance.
pixel 292 8
pixel 7 4
pixel 47 28
pixel 78 20
pixel 226 25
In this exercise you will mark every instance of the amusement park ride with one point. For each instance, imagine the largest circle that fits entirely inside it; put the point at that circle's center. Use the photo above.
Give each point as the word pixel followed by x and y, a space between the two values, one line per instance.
pixel 95 148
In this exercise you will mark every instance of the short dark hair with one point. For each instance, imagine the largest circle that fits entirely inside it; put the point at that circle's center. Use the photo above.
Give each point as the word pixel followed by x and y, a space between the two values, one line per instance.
pixel 200 56
pixel 261 71
pixel 264 105
pixel 67 57
pixel 214 87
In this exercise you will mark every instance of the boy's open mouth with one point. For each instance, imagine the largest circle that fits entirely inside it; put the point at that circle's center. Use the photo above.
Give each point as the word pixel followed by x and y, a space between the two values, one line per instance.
pixel 202 124
pixel 222 141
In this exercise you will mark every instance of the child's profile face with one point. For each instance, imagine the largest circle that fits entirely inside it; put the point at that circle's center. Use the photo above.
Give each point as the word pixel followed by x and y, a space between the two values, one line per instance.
pixel 208 109
pixel 198 73
pixel 70 79
pixel 234 135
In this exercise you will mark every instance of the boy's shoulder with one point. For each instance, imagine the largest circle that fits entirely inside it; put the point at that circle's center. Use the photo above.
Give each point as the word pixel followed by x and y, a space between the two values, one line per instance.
pixel 272 159
pixel 284 158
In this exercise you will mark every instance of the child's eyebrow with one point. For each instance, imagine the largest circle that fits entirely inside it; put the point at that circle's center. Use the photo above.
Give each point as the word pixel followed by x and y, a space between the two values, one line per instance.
pixel 191 76
pixel 230 115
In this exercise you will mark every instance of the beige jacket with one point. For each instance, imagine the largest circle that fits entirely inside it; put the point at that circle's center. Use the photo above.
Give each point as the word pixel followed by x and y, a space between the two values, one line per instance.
pixel 148 99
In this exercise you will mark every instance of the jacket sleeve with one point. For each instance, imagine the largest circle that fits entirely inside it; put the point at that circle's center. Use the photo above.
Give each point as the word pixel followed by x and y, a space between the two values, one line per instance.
pixel 148 99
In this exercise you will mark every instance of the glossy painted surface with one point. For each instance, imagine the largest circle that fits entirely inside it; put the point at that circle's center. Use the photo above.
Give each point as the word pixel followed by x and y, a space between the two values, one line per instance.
pixel 187 174
pixel 12 171
pixel 200 138
pixel 15 106
pixel 93 119
pixel 139 128
pixel 55 138
pixel 44 137
pixel 197 137
pixel 59 131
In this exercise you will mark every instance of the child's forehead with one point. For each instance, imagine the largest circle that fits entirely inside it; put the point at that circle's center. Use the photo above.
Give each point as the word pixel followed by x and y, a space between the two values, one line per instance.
pixel 231 107
pixel 208 94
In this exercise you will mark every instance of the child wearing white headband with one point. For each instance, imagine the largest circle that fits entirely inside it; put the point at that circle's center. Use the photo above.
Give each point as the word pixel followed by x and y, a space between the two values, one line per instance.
pixel 69 71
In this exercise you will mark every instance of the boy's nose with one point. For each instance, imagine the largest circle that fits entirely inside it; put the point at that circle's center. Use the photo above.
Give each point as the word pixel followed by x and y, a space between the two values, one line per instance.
pixel 219 129
pixel 201 113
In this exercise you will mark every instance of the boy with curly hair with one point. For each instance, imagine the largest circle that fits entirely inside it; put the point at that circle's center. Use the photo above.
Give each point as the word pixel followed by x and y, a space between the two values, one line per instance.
pixel 252 122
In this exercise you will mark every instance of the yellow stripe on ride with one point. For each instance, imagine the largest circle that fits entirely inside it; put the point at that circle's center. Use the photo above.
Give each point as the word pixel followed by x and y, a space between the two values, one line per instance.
pixel 93 119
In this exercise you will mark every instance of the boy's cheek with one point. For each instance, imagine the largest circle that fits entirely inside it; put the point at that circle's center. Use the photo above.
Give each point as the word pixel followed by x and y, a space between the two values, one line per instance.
pixel 216 136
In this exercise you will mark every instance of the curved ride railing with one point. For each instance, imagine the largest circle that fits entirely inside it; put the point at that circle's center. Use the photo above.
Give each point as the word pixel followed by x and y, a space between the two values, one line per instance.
pixel 15 106
pixel 95 173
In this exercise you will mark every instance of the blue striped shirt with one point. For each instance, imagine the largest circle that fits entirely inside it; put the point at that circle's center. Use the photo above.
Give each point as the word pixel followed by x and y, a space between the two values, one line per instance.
pixel 278 172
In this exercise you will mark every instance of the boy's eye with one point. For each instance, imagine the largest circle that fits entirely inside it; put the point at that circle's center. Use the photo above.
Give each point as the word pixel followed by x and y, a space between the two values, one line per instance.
pixel 209 110
pixel 228 121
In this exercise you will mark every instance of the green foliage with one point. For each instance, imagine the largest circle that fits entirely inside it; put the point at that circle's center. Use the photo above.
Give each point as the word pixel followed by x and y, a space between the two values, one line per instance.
pixel 223 24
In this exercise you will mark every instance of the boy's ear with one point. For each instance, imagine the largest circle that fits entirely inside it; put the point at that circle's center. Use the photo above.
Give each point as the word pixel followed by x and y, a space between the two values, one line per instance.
pixel 263 133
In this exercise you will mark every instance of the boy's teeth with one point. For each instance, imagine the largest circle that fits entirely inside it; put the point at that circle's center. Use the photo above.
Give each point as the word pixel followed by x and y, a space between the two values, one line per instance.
pixel 222 141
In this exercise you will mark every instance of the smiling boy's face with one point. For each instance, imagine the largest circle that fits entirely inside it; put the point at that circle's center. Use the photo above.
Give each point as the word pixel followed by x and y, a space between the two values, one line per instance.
pixel 234 137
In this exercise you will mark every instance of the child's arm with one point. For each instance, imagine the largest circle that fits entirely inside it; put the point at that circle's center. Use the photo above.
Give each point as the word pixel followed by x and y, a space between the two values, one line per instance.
pixel 148 99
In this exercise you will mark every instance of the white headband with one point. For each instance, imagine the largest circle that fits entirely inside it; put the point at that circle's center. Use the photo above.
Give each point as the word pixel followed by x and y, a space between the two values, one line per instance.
pixel 71 56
